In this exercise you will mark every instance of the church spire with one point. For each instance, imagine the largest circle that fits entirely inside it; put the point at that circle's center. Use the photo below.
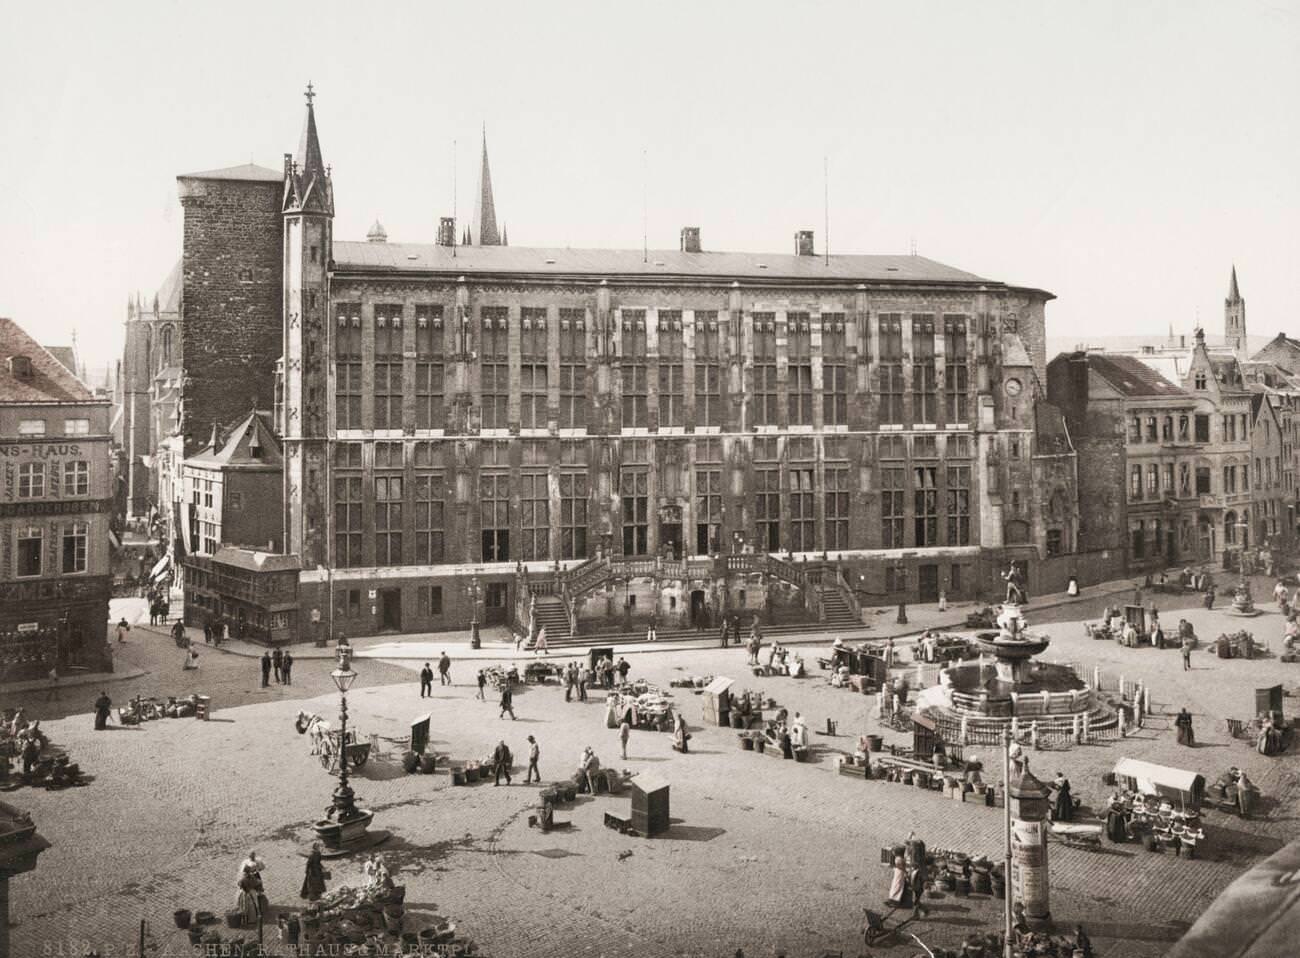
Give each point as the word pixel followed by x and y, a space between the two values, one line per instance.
pixel 307 179
pixel 483 228
pixel 1234 317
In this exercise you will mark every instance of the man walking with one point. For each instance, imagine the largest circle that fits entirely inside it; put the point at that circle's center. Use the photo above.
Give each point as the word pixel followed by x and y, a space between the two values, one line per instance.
pixel 534 753
pixel 482 684
pixel 501 761
pixel 570 680
pixel 1187 655
pixel 444 670
pixel 286 667
pixel 507 703
pixel 426 681
pixel 277 658
pixel 722 634
pixel 266 669
pixel 207 632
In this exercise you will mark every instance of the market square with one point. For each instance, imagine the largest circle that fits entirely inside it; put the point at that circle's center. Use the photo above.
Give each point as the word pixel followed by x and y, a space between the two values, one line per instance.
pixel 779 842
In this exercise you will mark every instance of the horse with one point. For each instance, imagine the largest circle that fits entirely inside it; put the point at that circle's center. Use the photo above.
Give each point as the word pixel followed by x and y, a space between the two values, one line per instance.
pixel 311 724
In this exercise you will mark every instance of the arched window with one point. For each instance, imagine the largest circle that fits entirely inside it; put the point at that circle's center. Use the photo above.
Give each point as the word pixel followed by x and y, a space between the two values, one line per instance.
pixel 165 349
pixel 1229 528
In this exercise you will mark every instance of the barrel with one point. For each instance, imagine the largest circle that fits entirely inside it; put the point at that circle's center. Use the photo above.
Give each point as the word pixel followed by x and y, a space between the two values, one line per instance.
pixel 458 776
pixel 746 743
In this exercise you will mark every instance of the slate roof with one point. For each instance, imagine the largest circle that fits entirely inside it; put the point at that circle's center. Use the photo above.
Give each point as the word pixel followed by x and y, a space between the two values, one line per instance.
pixel 65 355
pixel 255 561
pixel 1132 377
pixel 245 171
pixel 51 381
pixel 169 295
pixel 234 449
pixel 429 258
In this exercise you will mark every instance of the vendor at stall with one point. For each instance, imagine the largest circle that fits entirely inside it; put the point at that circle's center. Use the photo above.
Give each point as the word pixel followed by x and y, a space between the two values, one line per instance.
pixel 841 677
pixel 1270 736
pixel 1117 819
pixel 1063 803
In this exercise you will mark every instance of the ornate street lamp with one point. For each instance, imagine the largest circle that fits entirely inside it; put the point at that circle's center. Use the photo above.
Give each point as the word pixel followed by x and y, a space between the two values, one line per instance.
pixel 344 828
pixel 344 807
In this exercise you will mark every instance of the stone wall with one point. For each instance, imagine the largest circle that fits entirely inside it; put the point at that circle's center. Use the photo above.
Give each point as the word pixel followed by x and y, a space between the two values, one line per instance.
pixel 231 300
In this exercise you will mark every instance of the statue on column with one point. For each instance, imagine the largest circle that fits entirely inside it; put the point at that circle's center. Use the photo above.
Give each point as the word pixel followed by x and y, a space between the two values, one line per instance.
pixel 1015 585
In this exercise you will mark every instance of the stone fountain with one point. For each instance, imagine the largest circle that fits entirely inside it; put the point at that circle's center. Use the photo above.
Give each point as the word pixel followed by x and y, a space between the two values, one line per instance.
pixel 1006 685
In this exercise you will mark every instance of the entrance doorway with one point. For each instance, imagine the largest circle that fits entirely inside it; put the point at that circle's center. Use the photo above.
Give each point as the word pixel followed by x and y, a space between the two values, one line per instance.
pixel 927 583
pixel 495 599
pixel 390 610
pixel 699 611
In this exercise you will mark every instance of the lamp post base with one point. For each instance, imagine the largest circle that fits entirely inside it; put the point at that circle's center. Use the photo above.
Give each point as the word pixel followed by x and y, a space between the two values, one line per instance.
pixel 345 838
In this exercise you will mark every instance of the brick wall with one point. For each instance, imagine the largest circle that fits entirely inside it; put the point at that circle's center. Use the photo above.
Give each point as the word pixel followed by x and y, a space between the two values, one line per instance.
pixel 231 300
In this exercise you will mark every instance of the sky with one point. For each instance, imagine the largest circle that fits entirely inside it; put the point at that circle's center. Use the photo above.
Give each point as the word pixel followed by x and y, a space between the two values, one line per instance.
pixel 1123 155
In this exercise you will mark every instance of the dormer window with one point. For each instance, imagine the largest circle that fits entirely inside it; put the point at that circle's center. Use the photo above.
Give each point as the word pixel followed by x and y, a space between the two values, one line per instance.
pixel 1199 380
pixel 20 367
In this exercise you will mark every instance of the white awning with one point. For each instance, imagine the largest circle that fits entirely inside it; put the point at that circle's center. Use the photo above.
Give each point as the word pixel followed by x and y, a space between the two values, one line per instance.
pixel 719 685
pixel 160 567
pixel 1147 775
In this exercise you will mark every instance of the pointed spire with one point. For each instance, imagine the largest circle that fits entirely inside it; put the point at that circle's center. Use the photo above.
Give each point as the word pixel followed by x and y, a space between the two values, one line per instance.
pixel 483 228
pixel 307 178
pixel 1234 294
pixel 308 157
pixel 505 235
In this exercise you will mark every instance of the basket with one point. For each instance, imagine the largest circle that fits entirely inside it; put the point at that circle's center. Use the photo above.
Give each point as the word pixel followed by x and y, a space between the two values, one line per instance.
pixel 458 776
pixel 472 774
pixel 570 793
pixel 746 743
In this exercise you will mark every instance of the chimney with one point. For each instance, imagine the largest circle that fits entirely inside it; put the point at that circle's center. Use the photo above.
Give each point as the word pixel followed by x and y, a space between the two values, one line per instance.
pixel 690 239
pixel 803 243
pixel 447 231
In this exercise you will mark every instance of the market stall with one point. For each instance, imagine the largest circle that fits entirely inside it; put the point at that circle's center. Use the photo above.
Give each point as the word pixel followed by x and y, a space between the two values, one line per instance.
pixel 717 701
pixel 1175 784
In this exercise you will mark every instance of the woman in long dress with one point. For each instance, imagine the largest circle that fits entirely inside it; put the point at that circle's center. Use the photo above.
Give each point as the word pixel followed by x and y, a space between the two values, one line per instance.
pixel 1116 821
pixel 249 903
pixel 899 893
pixel 313 882
pixel 1184 726
pixel 680 735
pixel 1063 806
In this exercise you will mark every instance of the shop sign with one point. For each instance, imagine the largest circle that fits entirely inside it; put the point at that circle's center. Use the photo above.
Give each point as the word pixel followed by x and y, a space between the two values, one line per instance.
pixel 55 507
pixel 28 626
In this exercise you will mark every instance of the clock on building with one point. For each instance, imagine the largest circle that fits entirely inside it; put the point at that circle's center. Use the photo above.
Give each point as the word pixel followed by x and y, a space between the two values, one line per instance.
pixel 1013 387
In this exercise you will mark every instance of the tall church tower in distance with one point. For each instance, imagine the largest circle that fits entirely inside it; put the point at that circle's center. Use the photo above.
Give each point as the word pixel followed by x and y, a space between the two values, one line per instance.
pixel 483 228
pixel 1234 318
pixel 308 211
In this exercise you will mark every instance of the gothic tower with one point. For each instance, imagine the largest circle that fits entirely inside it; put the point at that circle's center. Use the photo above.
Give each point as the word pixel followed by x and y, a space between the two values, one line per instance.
pixel 308 211
pixel 483 228
pixel 1234 318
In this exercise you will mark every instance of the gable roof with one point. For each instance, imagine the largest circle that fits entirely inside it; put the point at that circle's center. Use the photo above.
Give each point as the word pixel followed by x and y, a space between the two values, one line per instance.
pixel 51 381
pixel 235 450
pixel 250 172
pixel 1131 377
pixel 428 258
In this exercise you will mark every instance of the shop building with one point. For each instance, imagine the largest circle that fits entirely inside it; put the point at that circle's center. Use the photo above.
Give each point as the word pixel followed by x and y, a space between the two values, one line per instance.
pixel 55 507
pixel 232 518
pixel 1142 468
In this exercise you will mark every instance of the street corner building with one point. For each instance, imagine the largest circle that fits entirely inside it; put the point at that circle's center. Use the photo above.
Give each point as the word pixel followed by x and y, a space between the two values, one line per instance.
pixel 55 504
pixel 600 438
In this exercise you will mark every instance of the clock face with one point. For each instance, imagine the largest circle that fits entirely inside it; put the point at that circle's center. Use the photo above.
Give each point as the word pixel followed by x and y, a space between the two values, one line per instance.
pixel 1013 387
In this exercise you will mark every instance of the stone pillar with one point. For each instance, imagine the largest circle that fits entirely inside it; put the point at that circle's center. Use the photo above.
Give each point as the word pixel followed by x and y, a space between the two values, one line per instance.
pixel 1028 880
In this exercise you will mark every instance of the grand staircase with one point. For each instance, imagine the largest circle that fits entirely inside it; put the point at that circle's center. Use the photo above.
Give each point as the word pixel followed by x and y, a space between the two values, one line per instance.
pixel 552 616
pixel 837 614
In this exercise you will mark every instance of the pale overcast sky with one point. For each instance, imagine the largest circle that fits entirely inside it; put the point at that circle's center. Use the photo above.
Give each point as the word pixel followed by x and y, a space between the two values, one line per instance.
pixel 1122 155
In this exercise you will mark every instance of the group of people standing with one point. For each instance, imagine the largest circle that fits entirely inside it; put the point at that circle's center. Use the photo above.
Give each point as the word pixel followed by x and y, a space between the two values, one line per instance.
pixel 279 662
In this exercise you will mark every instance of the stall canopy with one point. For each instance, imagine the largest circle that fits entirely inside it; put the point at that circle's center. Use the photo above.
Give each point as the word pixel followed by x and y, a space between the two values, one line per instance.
pixel 719 685
pixel 1257 916
pixel 1174 783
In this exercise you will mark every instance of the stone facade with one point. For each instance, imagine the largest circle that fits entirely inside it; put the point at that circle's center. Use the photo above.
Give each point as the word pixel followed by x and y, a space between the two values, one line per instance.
pixel 467 426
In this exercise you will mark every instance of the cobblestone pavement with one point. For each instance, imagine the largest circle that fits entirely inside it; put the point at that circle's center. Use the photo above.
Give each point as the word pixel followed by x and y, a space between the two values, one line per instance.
pixel 763 855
